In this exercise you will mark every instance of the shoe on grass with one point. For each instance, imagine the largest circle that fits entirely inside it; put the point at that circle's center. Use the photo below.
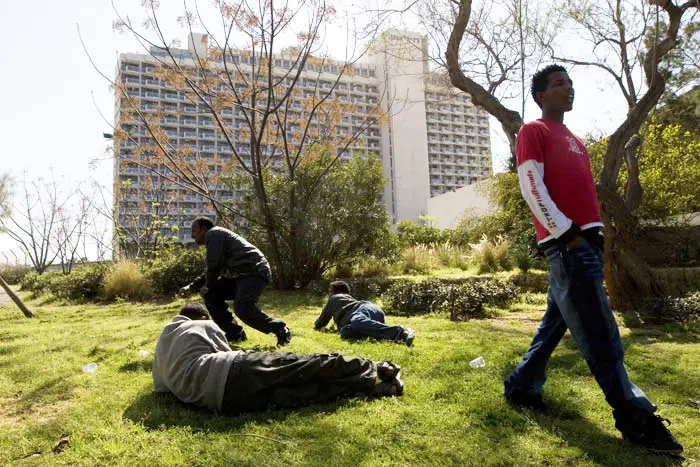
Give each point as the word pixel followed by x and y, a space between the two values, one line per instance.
pixel 651 432
pixel 387 371
pixel 527 400
pixel 407 336
pixel 389 388
pixel 237 338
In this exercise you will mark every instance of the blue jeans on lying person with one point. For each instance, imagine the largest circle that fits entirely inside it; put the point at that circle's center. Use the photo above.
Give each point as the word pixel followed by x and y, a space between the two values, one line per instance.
pixel 577 301
pixel 368 321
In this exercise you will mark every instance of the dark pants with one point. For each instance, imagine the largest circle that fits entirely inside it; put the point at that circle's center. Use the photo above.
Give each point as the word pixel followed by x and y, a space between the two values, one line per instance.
pixel 576 300
pixel 259 380
pixel 368 321
pixel 244 291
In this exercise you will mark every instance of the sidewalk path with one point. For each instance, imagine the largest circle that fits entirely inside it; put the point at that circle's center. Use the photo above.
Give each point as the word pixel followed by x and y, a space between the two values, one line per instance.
pixel 4 298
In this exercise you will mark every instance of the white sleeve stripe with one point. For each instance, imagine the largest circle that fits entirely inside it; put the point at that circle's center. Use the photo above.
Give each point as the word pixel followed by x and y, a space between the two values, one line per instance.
pixel 534 191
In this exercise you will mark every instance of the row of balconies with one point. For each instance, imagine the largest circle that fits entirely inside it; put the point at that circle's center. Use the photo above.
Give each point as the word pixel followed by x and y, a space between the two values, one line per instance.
pixel 149 84
pixel 346 124
pixel 457 151
pixel 440 97
pixel 207 141
pixel 151 87
pixel 362 109
pixel 457 139
pixel 436 119
pixel 471 170
pixel 458 128
pixel 364 72
pixel 443 110
pixel 452 183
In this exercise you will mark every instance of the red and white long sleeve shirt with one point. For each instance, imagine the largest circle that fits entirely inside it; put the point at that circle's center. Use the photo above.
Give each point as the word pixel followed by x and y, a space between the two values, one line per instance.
pixel 555 179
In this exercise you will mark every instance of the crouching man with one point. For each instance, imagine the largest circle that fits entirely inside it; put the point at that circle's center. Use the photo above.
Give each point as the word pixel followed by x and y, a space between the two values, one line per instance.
pixel 357 319
pixel 194 362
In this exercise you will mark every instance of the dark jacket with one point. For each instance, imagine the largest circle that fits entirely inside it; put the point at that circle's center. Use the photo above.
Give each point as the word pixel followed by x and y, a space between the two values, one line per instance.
pixel 230 255
pixel 340 307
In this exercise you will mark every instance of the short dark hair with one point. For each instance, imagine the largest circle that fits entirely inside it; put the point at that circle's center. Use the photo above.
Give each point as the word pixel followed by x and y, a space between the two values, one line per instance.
pixel 540 80
pixel 203 222
pixel 339 287
pixel 195 311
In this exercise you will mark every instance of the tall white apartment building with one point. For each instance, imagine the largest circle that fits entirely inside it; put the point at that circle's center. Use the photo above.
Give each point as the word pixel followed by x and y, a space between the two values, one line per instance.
pixel 434 140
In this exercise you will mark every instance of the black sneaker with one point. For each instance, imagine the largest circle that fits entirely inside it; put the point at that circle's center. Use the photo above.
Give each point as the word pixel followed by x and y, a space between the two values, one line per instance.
pixel 532 401
pixel 237 338
pixel 650 432
pixel 387 371
pixel 408 336
pixel 284 337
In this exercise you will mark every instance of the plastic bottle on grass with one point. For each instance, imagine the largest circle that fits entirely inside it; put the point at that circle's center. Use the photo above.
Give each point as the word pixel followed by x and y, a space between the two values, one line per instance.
pixel 90 367
pixel 478 363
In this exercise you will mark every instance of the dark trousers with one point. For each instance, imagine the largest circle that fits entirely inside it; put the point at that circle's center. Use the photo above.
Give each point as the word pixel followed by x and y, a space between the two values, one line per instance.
pixel 244 291
pixel 259 380
pixel 576 300
pixel 368 321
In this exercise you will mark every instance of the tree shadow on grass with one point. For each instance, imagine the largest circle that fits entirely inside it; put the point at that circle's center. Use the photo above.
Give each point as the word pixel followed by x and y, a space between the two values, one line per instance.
pixel 157 411
pixel 137 366
pixel 163 411
pixel 602 448
pixel 499 421
pixel 660 370
pixel 563 418
pixel 671 333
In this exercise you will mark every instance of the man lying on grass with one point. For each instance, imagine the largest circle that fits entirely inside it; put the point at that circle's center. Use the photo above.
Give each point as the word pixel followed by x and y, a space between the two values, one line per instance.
pixel 357 319
pixel 194 362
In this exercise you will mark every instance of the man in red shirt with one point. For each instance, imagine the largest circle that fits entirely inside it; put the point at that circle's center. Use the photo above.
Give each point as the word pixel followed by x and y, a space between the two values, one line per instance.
pixel 556 181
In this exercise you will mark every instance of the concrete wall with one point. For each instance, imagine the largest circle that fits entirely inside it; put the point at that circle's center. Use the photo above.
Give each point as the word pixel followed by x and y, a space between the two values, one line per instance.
pixel 448 208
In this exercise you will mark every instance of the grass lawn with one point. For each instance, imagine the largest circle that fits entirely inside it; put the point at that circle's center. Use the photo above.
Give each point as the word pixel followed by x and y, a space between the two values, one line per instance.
pixel 450 414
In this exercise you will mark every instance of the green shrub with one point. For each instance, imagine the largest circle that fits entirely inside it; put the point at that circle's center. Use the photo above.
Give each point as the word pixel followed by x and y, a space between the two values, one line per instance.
pixel 35 283
pixel 418 259
pixel 412 233
pixel 126 280
pixel 496 292
pixel 14 274
pixel 343 271
pixel 460 300
pixel 491 256
pixel 452 256
pixel 522 258
pixel 536 282
pixel 83 283
pixel 409 298
pixel 174 268
pixel 372 266
pixel 659 310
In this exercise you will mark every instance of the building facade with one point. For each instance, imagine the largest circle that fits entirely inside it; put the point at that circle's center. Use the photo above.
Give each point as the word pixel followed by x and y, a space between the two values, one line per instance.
pixel 433 139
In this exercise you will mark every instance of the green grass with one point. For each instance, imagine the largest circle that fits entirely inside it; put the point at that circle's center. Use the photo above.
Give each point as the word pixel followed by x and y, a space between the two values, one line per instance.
pixel 450 414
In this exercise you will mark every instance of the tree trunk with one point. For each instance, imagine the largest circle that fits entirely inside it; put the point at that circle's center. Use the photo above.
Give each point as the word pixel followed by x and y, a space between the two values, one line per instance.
pixel 627 275
pixel 27 312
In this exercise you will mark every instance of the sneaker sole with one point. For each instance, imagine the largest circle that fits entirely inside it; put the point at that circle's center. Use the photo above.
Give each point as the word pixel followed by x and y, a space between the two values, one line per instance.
pixel 675 452
pixel 670 452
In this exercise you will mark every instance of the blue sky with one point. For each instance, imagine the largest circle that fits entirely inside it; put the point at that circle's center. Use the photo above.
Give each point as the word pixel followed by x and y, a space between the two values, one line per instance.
pixel 52 96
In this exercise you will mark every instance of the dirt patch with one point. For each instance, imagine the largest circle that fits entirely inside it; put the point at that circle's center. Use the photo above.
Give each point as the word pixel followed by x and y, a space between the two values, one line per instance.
pixel 14 413
pixel 4 298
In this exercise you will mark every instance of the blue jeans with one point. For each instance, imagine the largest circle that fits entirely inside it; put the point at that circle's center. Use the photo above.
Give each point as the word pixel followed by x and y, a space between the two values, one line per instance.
pixel 368 321
pixel 577 301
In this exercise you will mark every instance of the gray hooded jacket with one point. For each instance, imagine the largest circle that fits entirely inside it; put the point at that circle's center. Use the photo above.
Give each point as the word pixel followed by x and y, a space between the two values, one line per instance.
pixel 192 361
